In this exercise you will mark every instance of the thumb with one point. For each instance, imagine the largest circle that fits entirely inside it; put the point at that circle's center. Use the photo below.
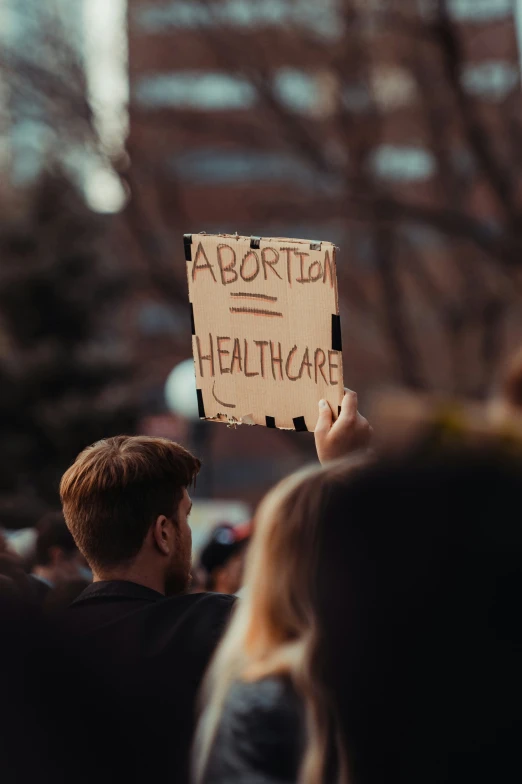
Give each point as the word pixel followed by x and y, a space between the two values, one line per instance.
pixel 324 422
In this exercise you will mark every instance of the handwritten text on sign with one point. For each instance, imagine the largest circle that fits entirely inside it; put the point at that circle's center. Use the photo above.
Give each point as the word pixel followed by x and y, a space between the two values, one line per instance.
pixel 266 333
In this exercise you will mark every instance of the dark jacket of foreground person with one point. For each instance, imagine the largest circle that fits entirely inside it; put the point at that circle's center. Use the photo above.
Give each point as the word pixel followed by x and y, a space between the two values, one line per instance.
pixel 389 599
pixel 149 653
pixel 261 734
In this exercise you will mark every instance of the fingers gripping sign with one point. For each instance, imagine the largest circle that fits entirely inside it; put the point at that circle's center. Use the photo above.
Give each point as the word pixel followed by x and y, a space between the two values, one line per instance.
pixel 349 433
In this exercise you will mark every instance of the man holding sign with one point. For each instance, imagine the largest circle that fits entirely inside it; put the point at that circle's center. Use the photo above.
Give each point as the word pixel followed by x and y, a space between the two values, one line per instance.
pixel 266 329
pixel 267 346
pixel 126 502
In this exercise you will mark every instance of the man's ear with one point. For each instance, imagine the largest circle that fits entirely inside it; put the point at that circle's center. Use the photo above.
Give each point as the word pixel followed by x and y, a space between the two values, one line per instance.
pixel 162 534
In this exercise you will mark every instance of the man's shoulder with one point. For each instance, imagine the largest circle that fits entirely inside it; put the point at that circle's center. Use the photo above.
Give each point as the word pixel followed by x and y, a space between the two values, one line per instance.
pixel 196 616
pixel 199 619
pixel 187 624
pixel 209 607
pixel 205 597
pixel 105 606
pixel 199 602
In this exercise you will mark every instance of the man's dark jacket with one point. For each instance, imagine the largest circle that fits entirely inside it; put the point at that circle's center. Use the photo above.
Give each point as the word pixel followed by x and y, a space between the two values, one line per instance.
pixel 149 654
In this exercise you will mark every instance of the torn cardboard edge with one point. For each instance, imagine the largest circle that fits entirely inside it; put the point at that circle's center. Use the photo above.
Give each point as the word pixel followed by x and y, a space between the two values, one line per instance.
pixel 230 420
pixel 247 419
pixel 255 242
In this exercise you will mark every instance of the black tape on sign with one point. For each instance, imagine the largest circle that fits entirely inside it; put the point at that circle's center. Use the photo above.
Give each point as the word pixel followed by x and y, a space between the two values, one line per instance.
pixel 270 421
pixel 300 424
pixel 315 246
pixel 337 343
pixel 254 242
pixel 201 407
pixel 187 242
pixel 192 318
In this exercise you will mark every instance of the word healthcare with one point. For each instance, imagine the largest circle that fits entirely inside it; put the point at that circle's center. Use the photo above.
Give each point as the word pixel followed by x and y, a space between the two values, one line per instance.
pixel 266 332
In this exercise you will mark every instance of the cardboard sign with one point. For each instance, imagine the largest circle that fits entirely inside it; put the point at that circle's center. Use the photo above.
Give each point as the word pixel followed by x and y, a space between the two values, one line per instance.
pixel 266 333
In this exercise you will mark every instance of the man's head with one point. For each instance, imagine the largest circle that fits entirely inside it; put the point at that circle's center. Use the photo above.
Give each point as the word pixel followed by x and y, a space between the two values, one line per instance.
pixel 222 558
pixel 125 500
pixel 56 551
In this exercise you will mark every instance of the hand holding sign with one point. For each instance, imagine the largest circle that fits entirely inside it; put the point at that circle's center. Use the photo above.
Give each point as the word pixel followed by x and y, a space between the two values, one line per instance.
pixel 266 329
pixel 348 434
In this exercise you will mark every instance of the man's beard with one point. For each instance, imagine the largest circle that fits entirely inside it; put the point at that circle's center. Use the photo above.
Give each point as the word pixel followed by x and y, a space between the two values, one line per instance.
pixel 178 581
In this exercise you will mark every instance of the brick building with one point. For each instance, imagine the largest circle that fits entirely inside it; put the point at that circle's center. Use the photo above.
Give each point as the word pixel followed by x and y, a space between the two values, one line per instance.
pixel 381 126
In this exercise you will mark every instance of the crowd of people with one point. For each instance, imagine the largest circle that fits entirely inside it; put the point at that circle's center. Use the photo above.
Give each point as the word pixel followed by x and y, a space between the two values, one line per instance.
pixel 363 628
pixel 43 565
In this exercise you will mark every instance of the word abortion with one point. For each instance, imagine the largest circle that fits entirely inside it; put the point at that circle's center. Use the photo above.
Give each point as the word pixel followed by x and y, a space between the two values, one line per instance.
pixel 266 359
pixel 289 263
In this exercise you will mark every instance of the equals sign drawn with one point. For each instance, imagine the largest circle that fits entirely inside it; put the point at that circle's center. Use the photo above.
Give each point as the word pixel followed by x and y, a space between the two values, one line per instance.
pixel 255 311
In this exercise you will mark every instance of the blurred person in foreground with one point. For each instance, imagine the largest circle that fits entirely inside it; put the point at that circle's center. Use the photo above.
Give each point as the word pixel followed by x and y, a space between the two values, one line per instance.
pixel 379 637
pixel 52 728
pixel 222 559
pixel 126 502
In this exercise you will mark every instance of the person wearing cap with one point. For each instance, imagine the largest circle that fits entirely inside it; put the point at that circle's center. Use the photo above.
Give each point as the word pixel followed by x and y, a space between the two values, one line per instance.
pixel 222 558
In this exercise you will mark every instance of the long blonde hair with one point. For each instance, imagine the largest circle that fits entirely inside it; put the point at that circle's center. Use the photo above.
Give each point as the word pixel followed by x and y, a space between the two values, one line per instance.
pixel 274 630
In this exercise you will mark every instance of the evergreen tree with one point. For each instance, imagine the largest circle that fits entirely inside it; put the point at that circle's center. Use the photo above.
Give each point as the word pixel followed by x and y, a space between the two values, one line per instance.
pixel 64 367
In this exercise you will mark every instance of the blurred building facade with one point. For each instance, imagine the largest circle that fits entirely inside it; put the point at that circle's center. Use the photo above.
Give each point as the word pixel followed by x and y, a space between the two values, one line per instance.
pixel 385 127
pixel 203 75
pixel 390 127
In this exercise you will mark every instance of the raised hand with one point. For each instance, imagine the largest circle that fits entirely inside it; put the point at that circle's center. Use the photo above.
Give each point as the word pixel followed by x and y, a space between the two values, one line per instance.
pixel 349 433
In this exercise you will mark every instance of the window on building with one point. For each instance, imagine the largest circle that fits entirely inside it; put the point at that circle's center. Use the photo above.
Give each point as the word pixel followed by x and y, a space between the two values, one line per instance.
pixel 243 166
pixel 393 87
pixel 297 90
pixel 322 19
pixel 206 91
pixel 492 80
pixel 389 87
pixel 478 11
pixel 403 164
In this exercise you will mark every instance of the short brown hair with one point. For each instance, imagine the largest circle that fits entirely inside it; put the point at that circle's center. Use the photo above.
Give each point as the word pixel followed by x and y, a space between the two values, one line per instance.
pixel 115 490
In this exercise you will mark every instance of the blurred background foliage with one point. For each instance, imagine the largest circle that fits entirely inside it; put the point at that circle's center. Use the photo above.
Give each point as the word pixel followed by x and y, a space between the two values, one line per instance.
pixel 63 375
pixel 391 127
